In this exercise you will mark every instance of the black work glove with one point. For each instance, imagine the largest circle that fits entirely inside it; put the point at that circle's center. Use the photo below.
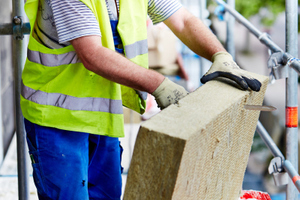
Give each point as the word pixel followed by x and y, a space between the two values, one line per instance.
pixel 224 66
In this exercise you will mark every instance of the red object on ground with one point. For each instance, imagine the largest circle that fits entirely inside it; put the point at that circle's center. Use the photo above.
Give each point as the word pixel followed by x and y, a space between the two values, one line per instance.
pixel 251 194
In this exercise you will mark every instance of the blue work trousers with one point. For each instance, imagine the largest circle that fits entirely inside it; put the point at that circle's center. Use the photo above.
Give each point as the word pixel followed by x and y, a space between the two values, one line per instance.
pixel 71 165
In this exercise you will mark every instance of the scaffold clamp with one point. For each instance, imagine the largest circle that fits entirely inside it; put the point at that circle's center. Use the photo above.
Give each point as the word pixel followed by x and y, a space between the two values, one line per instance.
pixel 220 12
pixel 277 170
pixel 279 69
pixel 17 28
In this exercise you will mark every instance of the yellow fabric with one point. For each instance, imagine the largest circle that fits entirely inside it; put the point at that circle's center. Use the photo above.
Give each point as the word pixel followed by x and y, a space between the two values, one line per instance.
pixel 76 81
pixel 135 21
pixel 130 19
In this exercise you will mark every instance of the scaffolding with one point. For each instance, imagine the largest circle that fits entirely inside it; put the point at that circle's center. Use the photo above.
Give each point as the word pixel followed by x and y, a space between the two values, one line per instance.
pixel 17 28
pixel 286 66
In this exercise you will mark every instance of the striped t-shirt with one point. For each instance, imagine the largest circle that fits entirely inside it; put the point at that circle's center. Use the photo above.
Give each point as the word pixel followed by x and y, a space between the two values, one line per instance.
pixel 59 22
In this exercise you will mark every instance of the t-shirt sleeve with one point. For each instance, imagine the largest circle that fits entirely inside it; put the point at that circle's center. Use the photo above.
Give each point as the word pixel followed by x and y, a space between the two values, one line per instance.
pixel 73 19
pixel 160 10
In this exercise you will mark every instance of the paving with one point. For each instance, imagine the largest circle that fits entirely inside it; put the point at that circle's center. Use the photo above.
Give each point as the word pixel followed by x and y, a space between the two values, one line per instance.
pixel 9 176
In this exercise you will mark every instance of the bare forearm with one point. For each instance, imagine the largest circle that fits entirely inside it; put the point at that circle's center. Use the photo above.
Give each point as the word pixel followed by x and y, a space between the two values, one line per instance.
pixel 115 67
pixel 193 33
pixel 201 40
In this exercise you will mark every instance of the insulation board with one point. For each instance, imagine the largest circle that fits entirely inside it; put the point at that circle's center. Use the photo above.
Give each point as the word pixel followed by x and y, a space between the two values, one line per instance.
pixel 198 148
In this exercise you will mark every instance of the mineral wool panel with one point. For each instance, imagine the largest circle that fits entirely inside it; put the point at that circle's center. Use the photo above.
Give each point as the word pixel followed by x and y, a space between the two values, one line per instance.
pixel 198 148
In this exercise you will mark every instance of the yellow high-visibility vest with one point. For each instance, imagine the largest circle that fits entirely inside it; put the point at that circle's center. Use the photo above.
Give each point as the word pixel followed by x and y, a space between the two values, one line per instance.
pixel 58 91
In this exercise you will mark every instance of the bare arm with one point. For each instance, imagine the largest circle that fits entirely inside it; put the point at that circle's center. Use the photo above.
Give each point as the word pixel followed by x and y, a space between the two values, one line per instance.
pixel 114 66
pixel 193 33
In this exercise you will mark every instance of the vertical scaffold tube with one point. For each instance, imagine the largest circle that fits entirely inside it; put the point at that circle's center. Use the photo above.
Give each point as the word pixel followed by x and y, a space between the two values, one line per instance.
pixel 292 93
pixel 18 53
pixel 203 6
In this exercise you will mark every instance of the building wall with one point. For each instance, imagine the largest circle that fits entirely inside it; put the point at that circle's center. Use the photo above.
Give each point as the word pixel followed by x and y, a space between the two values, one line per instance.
pixel 7 77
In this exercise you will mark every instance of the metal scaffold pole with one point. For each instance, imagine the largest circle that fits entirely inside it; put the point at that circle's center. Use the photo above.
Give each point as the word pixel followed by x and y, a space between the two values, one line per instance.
pixel 292 93
pixel 18 52
pixel 230 31
pixel 203 6
pixel 283 64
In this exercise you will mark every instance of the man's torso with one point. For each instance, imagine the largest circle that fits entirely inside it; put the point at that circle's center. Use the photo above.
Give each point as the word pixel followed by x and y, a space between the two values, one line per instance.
pixel 58 22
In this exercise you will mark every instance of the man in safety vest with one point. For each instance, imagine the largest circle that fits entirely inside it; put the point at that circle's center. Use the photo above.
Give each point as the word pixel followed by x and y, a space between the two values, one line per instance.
pixel 86 60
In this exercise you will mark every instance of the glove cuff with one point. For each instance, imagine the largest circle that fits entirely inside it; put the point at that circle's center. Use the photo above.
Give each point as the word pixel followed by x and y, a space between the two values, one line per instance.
pixel 161 87
pixel 223 53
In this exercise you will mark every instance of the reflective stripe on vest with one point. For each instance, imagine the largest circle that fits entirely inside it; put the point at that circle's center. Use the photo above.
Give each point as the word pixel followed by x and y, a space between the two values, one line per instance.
pixel 53 60
pixel 72 103
pixel 136 49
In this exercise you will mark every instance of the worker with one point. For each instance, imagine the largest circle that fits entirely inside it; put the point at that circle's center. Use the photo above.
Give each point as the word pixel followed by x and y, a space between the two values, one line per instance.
pixel 87 58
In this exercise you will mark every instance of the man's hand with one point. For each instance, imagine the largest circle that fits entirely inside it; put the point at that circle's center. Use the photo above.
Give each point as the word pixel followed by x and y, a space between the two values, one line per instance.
pixel 168 93
pixel 224 66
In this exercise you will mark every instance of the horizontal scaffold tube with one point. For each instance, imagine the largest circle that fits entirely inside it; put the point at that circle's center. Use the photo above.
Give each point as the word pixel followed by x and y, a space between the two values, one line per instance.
pixel 7 29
